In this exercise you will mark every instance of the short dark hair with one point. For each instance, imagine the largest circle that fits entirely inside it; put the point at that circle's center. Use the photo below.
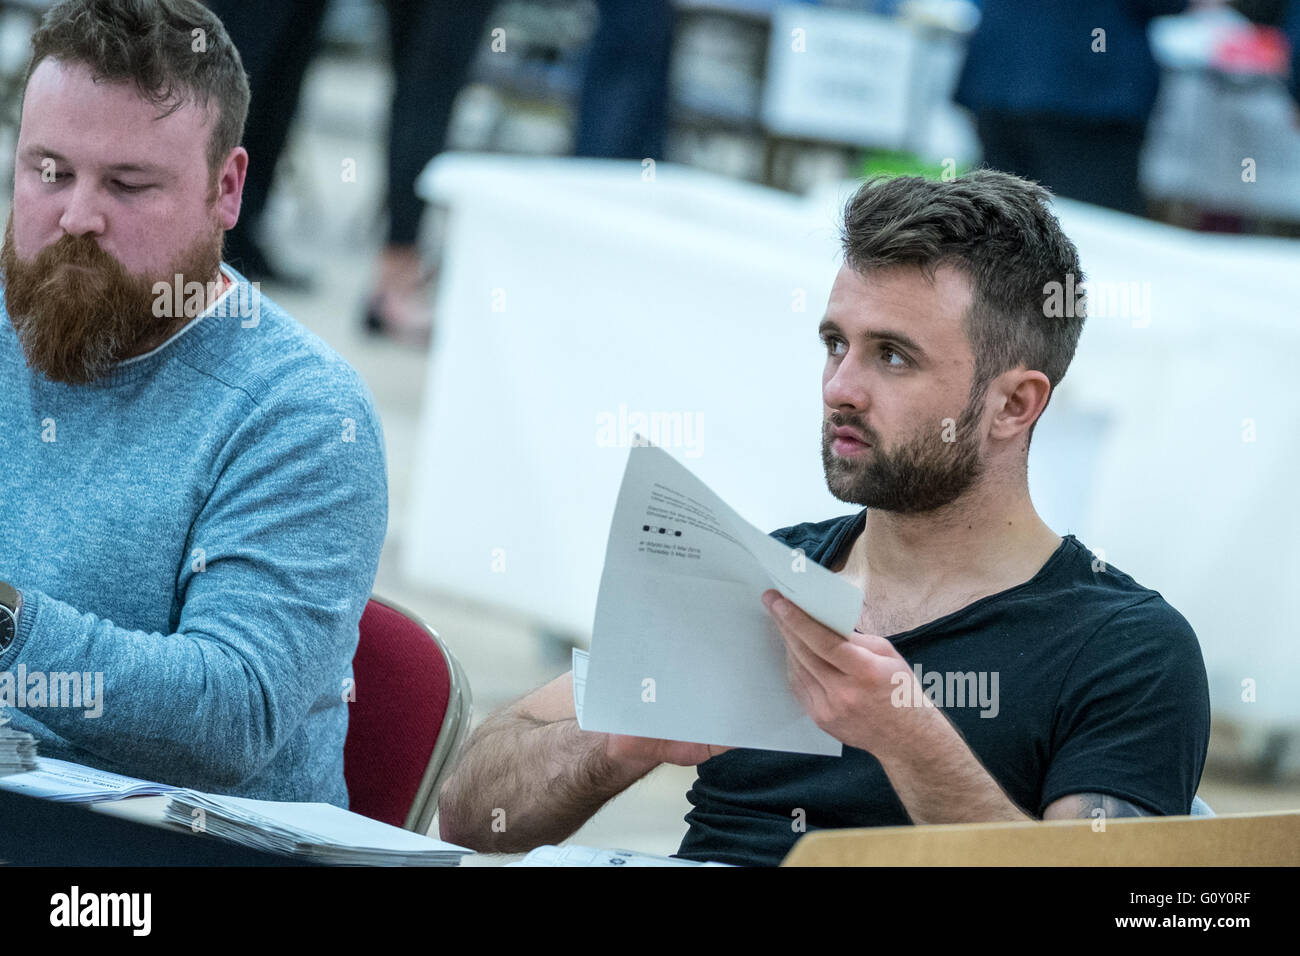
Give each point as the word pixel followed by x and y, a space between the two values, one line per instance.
pixel 152 43
pixel 999 230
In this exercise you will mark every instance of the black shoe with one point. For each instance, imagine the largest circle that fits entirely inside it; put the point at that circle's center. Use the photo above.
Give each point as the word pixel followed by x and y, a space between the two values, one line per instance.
pixel 373 322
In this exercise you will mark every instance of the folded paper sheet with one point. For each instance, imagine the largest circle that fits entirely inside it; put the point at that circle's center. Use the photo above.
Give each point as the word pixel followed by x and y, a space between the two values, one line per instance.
pixel 682 647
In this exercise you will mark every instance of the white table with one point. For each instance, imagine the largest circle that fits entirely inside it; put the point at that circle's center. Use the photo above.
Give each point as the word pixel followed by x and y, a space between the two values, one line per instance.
pixel 677 295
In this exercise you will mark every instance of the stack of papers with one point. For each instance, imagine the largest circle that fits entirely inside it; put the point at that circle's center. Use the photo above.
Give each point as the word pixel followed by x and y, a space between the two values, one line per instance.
pixel 317 832
pixel 17 749
pixel 69 782
pixel 682 647
pixel 590 856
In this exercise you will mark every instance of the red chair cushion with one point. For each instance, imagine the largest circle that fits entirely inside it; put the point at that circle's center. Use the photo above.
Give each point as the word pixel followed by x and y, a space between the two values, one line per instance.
pixel 401 689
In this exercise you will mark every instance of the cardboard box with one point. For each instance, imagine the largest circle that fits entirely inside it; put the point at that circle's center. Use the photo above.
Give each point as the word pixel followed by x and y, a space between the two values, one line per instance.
pixel 1239 839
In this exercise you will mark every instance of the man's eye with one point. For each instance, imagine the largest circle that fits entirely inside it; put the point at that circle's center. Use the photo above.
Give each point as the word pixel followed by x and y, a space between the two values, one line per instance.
pixel 130 187
pixel 886 350
pixel 833 345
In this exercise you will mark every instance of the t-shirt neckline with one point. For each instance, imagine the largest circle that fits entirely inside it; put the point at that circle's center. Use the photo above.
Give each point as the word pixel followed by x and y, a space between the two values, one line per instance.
pixel 850 531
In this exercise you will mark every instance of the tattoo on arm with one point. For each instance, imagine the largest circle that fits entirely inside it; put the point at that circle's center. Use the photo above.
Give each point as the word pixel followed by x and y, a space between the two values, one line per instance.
pixel 1085 805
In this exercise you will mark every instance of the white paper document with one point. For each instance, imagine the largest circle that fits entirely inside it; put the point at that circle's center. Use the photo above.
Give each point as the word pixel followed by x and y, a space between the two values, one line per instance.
pixel 17 749
pixel 69 782
pixel 320 832
pixel 580 658
pixel 682 647
pixel 593 856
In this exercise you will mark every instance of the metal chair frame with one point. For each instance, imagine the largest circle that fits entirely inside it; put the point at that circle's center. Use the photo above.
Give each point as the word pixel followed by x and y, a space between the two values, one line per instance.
pixel 451 735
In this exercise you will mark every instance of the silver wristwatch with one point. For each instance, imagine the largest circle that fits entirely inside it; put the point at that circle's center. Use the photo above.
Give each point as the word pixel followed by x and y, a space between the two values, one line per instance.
pixel 11 605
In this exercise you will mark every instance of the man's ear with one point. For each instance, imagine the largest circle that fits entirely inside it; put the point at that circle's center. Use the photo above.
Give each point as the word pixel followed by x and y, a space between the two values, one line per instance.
pixel 1024 394
pixel 228 188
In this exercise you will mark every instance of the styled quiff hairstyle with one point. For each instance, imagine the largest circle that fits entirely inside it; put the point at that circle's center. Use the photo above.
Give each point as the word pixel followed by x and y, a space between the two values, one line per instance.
pixel 174 51
pixel 999 230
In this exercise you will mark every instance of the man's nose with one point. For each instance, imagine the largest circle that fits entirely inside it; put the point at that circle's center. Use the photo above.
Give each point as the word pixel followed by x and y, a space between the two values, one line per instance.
pixel 846 388
pixel 83 213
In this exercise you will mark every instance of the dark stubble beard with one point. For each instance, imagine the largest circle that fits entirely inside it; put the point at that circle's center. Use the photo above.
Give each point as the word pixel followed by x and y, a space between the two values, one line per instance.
pixel 74 324
pixel 920 474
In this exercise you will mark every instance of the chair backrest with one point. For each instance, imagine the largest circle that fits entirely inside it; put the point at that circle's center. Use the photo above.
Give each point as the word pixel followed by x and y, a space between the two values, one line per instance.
pixel 406 720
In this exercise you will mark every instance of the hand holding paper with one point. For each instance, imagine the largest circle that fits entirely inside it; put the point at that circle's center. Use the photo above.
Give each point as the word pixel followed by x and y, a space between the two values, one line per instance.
pixel 682 647
pixel 641 753
pixel 851 688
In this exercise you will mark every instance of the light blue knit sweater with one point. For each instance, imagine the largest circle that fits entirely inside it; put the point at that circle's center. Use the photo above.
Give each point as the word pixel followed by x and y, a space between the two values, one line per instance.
pixel 203 528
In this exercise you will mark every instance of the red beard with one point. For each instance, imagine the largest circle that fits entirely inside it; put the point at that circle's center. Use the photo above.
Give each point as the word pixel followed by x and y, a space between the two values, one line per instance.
pixel 76 324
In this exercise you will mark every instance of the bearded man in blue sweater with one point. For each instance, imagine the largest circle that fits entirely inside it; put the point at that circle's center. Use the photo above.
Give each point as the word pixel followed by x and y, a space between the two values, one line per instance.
pixel 193 485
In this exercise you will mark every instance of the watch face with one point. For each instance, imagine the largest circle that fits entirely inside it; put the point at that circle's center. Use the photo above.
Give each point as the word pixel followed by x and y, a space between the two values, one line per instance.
pixel 7 629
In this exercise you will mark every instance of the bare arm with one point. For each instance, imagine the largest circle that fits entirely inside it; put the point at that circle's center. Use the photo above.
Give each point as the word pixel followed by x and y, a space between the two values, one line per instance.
pixel 845 686
pixel 849 688
pixel 939 779
pixel 530 776
pixel 942 781
pixel 969 792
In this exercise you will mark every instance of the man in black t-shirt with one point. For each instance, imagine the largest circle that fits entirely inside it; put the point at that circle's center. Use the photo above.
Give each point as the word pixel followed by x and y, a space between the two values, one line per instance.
pixel 998 671
pixel 1078 681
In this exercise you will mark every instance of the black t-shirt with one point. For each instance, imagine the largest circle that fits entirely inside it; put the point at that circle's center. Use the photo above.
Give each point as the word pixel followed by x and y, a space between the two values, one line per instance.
pixel 1100 688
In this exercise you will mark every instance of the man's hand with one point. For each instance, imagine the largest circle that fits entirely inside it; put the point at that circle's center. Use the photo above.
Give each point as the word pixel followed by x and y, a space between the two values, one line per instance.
pixel 849 685
pixel 646 753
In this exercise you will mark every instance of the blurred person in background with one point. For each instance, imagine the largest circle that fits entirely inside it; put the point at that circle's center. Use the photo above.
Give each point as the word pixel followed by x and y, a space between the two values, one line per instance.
pixel 1292 30
pixel 623 102
pixel 1062 90
pixel 1285 16
pixel 432 44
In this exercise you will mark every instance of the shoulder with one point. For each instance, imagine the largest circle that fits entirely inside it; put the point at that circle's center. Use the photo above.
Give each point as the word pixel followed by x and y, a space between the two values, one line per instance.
pixel 817 539
pixel 1149 626
pixel 1117 604
pixel 278 363
pixel 1134 634
pixel 295 411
